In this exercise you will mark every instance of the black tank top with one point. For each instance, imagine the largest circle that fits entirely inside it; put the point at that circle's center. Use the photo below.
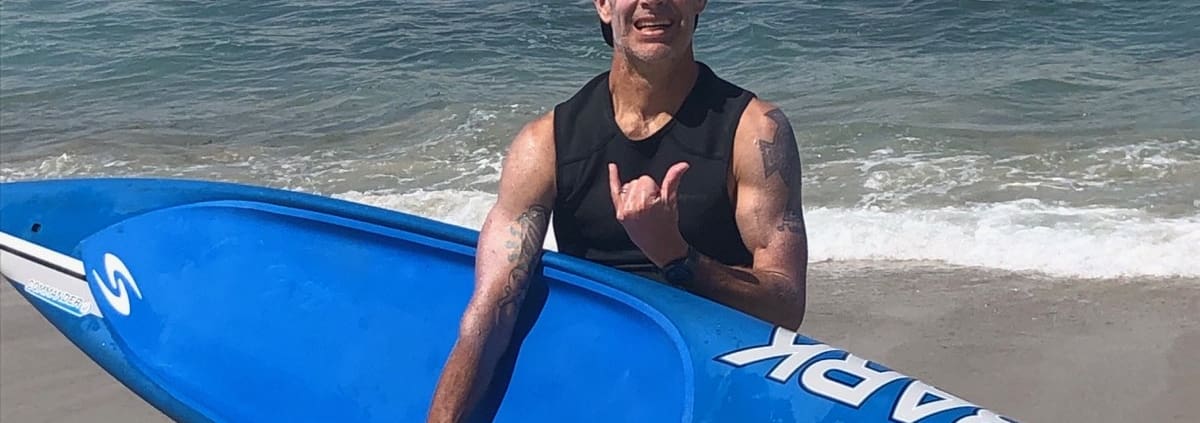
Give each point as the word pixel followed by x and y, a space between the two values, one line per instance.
pixel 587 138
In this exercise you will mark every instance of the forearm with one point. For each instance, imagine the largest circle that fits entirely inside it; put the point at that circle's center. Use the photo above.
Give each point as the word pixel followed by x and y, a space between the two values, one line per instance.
pixel 769 295
pixel 483 337
pixel 506 258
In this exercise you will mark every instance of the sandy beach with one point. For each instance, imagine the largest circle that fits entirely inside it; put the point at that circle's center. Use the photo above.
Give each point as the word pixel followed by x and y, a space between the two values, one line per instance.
pixel 1036 349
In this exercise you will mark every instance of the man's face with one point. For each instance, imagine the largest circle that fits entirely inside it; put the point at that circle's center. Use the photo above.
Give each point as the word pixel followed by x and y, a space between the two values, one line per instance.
pixel 651 30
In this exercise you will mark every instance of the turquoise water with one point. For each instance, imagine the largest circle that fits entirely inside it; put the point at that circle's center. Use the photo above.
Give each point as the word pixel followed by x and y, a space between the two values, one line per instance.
pixel 1053 136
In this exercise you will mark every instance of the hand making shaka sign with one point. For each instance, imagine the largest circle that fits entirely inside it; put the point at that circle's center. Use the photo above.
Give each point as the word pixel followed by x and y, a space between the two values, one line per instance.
pixel 649 212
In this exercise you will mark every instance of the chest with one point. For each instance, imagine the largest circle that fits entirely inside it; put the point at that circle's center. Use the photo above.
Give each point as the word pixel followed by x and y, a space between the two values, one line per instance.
pixel 703 196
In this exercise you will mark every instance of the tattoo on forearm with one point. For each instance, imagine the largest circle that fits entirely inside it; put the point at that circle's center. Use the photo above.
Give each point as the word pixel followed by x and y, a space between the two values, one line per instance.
pixel 525 254
pixel 781 155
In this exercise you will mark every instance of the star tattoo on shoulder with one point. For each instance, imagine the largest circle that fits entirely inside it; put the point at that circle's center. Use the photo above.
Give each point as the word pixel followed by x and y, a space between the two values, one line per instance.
pixel 781 155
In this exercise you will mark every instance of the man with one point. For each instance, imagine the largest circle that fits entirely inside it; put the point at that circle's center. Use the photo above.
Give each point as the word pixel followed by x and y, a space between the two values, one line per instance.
pixel 725 222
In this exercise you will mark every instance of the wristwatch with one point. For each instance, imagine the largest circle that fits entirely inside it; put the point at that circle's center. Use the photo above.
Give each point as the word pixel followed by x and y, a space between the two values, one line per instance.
pixel 681 271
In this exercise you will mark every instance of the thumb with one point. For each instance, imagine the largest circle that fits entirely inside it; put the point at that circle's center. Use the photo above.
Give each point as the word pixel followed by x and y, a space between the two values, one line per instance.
pixel 670 185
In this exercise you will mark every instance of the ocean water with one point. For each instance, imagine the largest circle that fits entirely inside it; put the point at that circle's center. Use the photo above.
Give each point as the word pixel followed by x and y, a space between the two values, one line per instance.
pixel 1051 136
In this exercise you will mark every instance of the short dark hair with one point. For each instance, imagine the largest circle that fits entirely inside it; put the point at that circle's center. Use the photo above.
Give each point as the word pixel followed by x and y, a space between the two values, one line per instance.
pixel 606 30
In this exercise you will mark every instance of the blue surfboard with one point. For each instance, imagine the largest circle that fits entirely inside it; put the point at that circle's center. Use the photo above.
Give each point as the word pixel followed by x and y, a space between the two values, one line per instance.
pixel 220 302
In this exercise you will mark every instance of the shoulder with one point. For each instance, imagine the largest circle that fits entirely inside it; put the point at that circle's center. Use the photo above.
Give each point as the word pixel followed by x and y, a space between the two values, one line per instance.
pixel 525 176
pixel 763 126
pixel 762 118
pixel 535 137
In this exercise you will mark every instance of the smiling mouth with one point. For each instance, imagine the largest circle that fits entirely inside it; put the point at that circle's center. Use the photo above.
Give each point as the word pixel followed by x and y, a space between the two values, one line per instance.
pixel 652 26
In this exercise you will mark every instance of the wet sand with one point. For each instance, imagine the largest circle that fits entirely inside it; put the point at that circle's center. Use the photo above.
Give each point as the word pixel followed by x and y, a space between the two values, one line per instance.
pixel 1033 348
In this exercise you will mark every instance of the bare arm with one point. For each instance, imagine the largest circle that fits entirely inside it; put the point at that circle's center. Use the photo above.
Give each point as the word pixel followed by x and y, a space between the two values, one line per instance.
pixel 510 247
pixel 771 220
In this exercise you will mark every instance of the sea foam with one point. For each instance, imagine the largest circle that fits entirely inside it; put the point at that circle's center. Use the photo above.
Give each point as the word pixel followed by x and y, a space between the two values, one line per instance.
pixel 1026 235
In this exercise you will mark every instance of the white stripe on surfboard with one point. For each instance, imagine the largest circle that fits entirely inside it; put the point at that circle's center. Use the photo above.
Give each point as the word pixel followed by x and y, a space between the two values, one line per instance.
pixel 42 253
pixel 43 276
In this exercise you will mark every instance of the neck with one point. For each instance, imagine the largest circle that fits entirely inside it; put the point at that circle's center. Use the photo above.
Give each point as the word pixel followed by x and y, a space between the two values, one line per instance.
pixel 644 91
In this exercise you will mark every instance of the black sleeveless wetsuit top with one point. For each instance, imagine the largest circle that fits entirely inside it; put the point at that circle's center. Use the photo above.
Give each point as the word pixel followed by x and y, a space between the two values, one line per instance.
pixel 587 138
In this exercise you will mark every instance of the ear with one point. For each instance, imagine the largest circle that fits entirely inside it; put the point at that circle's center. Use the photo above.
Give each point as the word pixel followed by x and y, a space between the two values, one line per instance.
pixel 604 8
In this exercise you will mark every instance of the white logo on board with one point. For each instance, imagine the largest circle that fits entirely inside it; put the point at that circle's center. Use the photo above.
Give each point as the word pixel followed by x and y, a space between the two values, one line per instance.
pixel 118 278
pixel 916 402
